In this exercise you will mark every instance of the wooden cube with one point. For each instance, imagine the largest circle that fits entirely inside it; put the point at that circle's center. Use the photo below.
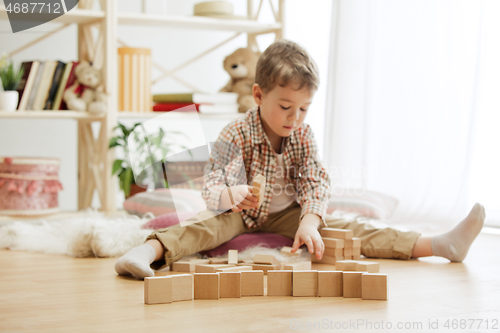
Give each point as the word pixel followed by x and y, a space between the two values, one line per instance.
pixel 279 283
pixel 354 242
pixel 346 265
pixel 265 268
pixel 182 287
pixel 259 188
pixel 206 285
pixel 252 283
pixel 356 251
pixel 234 269
pixel 348 252
pixel 232 257
pixel 266 259
pixel 336 233
pixel 339 252
pixel 326 259
pixel 297 266
pixel 374 286
pixel 333 243
pixel 305 283
pixel 286 250
pixel 330 284
pixel 188 265
pixel 217 261
pixel 356 256
pixel 209 268
pixel 230 284
pixel 352 284
pixel 157 290
pixel 367 266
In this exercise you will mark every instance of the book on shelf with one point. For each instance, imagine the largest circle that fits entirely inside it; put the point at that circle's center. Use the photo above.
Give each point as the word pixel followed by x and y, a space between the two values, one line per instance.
pixel 68 69
pixel 36 84
pixel 26 84
pixel 65 84
pixel 219 108
pixel 43 89
pixel 197 98
pixel 164 107
pixel 56 80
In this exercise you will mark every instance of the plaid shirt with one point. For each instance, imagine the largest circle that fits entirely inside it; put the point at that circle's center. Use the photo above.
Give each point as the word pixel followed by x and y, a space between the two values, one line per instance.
pixel 243 151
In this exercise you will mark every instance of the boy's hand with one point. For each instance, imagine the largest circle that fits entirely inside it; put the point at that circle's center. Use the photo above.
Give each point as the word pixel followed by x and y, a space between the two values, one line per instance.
pixel 242 195
pixel 308 234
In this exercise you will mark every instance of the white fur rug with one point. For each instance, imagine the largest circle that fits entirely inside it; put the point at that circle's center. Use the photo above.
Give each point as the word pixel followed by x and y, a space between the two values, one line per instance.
pixel 92 234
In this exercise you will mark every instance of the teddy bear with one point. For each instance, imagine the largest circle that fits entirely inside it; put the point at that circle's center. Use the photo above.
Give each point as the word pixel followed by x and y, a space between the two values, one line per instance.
pixel 86 94
pixel 241 65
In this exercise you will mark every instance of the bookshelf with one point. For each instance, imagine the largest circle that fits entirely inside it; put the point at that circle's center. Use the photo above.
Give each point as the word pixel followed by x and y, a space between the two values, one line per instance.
pixel 94 158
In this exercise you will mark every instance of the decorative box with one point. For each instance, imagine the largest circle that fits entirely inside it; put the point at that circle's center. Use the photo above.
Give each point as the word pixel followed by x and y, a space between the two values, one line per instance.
pixel 29 186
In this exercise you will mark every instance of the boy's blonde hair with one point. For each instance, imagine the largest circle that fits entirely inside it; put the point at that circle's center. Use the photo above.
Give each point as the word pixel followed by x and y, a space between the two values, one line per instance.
pixel 283 63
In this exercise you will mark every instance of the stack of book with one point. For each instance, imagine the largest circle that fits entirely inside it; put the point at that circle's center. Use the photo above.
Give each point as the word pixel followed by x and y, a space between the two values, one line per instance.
pixel 222 102
pixel 43 84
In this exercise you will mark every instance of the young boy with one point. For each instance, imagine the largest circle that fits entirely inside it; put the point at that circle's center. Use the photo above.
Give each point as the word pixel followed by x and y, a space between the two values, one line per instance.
pixel 272 138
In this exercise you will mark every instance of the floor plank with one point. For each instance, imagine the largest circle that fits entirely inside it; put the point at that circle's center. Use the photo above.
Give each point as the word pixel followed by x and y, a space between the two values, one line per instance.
pixel 50 293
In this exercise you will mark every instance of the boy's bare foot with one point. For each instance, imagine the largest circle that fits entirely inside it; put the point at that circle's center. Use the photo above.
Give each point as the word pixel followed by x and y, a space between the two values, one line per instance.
pixel 455 244
pixel 136 262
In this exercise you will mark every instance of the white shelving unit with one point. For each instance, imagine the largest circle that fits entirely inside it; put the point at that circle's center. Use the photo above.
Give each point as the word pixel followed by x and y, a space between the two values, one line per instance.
pixel 94 157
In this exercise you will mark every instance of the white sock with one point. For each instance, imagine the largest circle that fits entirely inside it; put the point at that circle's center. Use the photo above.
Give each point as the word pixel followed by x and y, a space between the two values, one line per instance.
pixel 136 262
pixel 455 244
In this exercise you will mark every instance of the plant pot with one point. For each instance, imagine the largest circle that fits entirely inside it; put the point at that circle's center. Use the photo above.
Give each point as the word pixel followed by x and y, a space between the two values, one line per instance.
pixel 134 189
pixel 8 100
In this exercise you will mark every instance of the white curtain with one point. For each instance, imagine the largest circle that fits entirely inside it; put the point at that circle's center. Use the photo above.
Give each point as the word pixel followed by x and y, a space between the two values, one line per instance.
pixel 414 105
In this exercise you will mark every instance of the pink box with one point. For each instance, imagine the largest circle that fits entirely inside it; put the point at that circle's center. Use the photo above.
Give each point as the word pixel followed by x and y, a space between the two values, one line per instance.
pixel 29 186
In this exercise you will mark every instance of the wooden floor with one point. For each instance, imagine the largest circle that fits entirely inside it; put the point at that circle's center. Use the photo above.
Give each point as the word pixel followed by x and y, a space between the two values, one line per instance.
pixel 48 293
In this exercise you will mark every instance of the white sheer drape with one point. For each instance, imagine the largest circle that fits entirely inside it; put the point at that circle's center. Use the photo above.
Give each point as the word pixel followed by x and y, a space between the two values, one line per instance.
pixel 412 87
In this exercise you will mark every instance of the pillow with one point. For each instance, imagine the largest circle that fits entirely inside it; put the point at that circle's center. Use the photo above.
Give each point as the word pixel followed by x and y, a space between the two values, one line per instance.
pixel 367 203
pixel 160 202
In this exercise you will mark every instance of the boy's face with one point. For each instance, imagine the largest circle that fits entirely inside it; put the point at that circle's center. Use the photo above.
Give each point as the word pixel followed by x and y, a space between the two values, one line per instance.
pixel 283 109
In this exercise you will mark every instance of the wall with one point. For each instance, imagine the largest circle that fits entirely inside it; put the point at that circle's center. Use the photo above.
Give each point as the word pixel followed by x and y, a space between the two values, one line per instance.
pixel 308 24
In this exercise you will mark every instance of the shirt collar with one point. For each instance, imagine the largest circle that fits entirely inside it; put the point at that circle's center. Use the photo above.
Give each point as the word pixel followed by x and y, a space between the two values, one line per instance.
pixel 257 131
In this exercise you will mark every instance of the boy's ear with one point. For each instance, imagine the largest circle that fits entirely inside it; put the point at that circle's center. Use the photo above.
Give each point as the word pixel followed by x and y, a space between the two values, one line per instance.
pixel 257 94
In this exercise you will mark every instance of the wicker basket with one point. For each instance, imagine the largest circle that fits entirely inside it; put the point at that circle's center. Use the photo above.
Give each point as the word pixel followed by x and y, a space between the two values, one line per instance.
pixel 29 186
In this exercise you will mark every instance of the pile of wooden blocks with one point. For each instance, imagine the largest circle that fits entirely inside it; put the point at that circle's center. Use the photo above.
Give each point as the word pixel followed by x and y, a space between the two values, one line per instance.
pixel 339 245
pixel 217 278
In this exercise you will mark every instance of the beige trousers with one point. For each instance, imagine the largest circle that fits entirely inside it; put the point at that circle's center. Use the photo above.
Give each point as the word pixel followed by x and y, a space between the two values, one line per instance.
pixel 214 230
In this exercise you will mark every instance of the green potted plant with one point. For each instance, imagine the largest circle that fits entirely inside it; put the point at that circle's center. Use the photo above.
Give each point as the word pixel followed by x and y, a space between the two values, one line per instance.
pixel 10 78
pixel 146 153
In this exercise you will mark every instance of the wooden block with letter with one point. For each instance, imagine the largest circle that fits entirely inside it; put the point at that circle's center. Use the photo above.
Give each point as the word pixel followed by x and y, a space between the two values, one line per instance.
pixel 232 257
pixel 259 188
pixel 367 266
pixel 252 283
pixel 158 290
pixel 352 284
pixel 286 251
pixel 336 233
pixel 230 284
pixel 305 283
pixel 346 265
pixel 182 287
pixel 279 283
pixel 266 259
pixel 374 286
pixel 206 285
pixel 330 284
